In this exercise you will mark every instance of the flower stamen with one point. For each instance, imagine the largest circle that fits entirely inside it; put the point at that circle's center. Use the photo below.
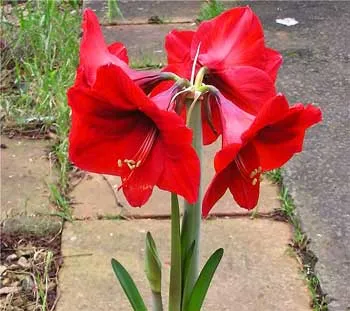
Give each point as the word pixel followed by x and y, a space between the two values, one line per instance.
pixel 253 177
pixel 139 157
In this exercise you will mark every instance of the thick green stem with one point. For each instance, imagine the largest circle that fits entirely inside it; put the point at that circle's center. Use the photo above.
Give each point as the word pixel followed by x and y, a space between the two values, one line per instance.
pixel 191 220
pixel 157 304
pixel 175 268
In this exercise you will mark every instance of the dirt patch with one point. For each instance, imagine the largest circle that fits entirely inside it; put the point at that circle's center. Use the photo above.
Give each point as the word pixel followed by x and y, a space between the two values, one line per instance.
pixel 29 267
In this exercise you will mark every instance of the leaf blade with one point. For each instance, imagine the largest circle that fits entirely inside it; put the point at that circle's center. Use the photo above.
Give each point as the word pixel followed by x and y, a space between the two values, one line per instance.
pixel 201 287
pixel 128 286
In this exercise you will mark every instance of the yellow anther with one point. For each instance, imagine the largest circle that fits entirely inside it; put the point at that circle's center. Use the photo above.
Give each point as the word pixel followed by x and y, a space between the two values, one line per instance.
pixel 259 169
pixel 120 163
pixel 138 163
pixel 130 163
pixel 254 181
pixel 253 173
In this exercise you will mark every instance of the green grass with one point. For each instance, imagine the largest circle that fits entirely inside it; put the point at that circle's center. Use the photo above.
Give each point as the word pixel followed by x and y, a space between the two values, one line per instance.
pixel 41 55
pixel 145 62
pixel 210 9
pixel 113 11
pixel 61 202
pixel 300 243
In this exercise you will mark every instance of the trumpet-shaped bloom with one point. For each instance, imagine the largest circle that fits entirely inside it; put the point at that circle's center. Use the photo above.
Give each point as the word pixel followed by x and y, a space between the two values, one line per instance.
pixel 231 46
pixel 271 139
pixel 94 53
pixel 118 130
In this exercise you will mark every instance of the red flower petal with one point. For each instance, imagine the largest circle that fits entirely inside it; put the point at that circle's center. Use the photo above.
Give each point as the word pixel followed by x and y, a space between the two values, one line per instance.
pixel 116 87
pixel 277 143
pixel 273 61
pixel 225 156
pixel 234 121
pixel 100 136
pixel 94 53
pixel 233 38
pixel 111 126
pixel 271 112
pixel 93 48
pixel 178 46
pixel 138 188
pixel 216 189
pixel 245 188
pixel 247 87
pixel 235 175
pixel 209 136
pixel 182 174
pixel 119 50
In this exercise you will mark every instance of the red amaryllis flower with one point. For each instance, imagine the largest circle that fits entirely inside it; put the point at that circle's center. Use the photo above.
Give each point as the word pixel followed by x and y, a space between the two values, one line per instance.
pixel 232 48
pixel 94 53
pixel 118 130
pixel 276 134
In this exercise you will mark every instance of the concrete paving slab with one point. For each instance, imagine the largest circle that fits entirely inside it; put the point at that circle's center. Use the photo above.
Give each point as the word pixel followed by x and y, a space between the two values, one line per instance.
pixel 97 195
pixel 32 225
pixel 145 43
pixel 145 11
pixel 25 175
pixel 94 197
pixel 256 273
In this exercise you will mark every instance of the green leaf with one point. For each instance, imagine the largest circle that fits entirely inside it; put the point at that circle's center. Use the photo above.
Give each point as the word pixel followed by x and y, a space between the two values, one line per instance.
pixel 201 287
pixel 175 289
pixel 128 286
pixel 153 266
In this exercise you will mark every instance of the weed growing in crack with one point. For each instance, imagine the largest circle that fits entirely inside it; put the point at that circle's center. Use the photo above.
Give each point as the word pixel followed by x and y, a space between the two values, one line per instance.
pixel 113 10
pixel 210 9
pixel 62 203
pixel 300 243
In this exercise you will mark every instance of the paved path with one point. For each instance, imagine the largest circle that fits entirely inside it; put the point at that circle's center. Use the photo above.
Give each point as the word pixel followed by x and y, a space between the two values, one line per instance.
pixel 316 69
pixel 257 273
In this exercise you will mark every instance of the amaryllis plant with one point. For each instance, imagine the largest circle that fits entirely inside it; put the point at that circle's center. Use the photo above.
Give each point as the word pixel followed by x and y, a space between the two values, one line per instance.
pixel 149 128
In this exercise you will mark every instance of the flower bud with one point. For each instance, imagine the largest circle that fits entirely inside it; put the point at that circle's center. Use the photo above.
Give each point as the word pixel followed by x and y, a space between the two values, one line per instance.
pixel 153 266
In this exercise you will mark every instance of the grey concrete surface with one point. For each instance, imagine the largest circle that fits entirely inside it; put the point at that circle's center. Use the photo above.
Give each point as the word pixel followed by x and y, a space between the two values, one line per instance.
pixel 145 43
pixel 134 12
pixel 26 173
pixel 256 273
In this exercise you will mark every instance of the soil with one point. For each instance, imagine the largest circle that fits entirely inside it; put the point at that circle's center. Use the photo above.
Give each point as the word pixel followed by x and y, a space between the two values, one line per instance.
pixel 28 275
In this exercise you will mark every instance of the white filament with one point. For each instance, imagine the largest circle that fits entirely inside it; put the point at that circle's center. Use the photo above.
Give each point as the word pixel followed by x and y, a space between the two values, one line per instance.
pixel 194 64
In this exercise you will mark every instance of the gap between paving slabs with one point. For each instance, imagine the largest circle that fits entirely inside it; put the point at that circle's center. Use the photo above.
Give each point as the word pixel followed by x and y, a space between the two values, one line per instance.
pixel 96 196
